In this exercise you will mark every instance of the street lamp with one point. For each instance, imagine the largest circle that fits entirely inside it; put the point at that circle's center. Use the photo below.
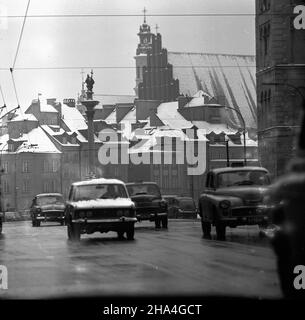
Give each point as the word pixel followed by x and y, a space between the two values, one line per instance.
pixel 298 90
pixel 244 131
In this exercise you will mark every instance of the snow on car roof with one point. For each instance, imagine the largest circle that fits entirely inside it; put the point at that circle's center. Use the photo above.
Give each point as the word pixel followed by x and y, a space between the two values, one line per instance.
pixel 98 181
pixel 49 195
pixel 231 169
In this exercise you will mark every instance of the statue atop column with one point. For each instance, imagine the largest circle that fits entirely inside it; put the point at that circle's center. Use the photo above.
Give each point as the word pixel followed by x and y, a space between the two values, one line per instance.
pixel 89 83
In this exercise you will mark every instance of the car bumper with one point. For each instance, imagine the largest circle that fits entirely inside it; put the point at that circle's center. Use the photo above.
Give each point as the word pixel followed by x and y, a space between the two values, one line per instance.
pixel 150 216
pixel 120 220
pixel 248 215
pixel 50 216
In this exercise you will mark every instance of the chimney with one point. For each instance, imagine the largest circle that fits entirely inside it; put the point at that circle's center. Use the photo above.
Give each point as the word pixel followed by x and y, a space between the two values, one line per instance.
pixel 183 100
pixel 69 102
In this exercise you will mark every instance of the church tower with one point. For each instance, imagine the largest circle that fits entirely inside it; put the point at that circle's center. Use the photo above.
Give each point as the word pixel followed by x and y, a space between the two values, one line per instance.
pixel 154 75
pixel 145 44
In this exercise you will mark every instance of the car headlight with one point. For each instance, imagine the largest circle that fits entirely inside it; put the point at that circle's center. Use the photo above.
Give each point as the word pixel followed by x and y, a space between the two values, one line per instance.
pixel 224 204
pixel 82 214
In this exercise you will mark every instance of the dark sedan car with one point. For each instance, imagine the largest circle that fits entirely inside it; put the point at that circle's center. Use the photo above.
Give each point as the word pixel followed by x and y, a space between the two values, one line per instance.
pixel 181 207
pixel 149 203
pixel 47 207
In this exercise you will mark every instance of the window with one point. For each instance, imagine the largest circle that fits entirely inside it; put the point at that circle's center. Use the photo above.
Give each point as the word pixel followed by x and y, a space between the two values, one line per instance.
pixel 54 165
pixel 45 166
pixel 6 188
pixel 5 167
pixel 25 166
pixel 26 186
pixel 49 186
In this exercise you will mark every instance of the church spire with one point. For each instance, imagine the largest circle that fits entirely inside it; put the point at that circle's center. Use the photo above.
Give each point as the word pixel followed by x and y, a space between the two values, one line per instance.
pixel 144 11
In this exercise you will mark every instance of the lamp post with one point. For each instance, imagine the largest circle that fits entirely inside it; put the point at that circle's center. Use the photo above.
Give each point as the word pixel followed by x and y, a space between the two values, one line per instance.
pixel 244 131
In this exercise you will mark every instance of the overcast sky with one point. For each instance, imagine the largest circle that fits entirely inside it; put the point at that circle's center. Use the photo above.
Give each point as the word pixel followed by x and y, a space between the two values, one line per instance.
pixel 56 42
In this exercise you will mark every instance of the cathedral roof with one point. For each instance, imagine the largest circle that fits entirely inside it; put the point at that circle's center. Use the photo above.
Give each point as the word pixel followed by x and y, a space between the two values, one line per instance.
pixel 225 76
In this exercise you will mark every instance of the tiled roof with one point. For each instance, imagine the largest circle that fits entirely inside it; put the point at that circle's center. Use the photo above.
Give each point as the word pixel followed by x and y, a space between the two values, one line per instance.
pixel 228 77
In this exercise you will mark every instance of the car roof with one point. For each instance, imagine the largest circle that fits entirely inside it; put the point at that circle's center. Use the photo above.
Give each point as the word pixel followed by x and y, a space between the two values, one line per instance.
pixel 234 169
pixel 98 181
pixel 140 182
pixel 49 194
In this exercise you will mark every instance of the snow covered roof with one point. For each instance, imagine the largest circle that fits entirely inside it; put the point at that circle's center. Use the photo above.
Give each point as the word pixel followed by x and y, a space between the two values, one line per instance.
pixel 112 99
pixel 111 117
pixel 214 127
pixel 169 115
pixel 44 107
pixel 35 141
pixel 73 118
pixel 199 99
pixel 231 77
pixel 24 117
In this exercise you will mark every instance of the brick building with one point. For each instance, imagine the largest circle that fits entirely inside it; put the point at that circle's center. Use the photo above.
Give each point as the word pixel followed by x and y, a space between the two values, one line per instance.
pixel 280 61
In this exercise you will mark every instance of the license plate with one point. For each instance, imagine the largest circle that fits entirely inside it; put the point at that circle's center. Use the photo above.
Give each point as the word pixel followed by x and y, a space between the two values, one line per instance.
pixel 254 220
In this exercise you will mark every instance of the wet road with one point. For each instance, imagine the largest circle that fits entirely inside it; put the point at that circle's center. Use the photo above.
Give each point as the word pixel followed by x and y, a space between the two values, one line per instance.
pixel 42 263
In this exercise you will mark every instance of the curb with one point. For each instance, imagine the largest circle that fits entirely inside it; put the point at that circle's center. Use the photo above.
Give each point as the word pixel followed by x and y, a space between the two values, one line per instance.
pixel 16 216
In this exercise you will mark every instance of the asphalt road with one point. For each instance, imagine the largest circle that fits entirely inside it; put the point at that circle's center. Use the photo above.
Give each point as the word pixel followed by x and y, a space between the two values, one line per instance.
pixel 42 263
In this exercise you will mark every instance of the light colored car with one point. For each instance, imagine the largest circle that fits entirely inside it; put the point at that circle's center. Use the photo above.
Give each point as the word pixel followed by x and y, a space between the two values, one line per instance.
pixel 233 196
pixel 99 205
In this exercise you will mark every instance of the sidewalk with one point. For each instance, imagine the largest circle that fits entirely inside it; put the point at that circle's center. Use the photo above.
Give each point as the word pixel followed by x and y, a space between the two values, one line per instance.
pixel 16 216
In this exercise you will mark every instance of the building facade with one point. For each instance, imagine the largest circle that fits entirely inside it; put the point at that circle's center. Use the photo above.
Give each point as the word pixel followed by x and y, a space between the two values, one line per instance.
pixel 280 76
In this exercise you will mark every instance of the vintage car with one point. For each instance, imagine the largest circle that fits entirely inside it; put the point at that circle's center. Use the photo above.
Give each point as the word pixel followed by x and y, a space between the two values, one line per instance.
pixel 181 207
pixel 99 205
pixel 47 207
pixel 233 197
pixel 149 203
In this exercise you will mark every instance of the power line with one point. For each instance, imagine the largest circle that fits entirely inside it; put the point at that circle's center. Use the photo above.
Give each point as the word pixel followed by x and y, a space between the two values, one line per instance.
pixel 233 14
pixel 122 67
pixel 21 33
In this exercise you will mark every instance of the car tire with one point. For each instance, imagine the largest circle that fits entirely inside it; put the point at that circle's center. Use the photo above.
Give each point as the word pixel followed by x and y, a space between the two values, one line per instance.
pixel 62 223
pixel 73 231
pixel 164 222
pixel 0 226
pixel 158 223
pixel 206 229
pixel 120 234
pixel 221 231
pixel 130 232
pixel 37 223
pixel 33 223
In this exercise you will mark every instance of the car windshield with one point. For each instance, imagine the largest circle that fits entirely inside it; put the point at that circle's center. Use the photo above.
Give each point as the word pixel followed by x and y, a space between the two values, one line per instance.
pixel 98 191
pixel 138 189
pixel 187 204
pixel 41 201
pixel 242 178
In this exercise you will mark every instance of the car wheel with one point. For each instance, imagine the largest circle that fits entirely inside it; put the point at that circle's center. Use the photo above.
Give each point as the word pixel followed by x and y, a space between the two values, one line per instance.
pixel 73 231
pixel 158 223
pixel 130 232
pixel 37 223
pixel 220 231
pixel 62 222
pixel 120 234
pixel 0 226
pixel 33 223
pixel 164 222
pixel 206 229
